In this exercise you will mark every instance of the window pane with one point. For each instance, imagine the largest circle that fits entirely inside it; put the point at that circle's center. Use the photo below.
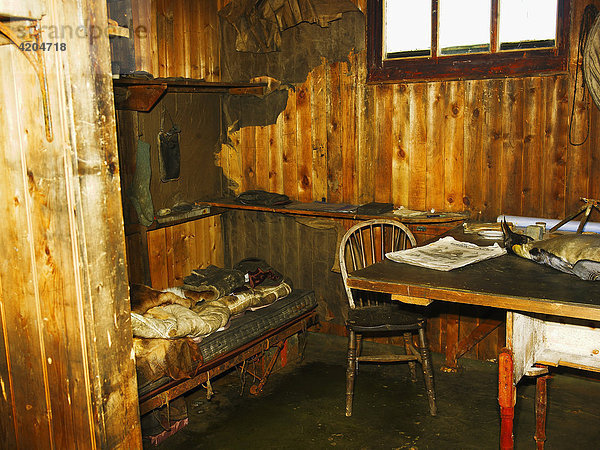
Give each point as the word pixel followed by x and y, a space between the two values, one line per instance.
pixel 407 28
pixel 464 26
pixel 527 23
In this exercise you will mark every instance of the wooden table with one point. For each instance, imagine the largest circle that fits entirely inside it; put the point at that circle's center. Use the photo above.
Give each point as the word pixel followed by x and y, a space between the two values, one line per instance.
pixel 507 282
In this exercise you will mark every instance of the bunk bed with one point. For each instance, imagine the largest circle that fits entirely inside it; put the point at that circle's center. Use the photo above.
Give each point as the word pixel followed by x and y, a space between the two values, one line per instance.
pixel 249 326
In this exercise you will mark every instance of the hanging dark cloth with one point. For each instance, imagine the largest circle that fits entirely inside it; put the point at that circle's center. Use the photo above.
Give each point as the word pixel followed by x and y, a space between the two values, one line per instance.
pixel 168 149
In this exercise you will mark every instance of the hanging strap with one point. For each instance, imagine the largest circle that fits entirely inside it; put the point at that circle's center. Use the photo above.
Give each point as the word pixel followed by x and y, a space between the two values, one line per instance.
pixel 589 15
pixel 174 128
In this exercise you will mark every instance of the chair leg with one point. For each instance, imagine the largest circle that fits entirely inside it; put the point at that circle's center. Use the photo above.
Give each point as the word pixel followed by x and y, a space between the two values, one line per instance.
pixel 350 371
pixel 411 364
pixel 358 349
pixel 427 370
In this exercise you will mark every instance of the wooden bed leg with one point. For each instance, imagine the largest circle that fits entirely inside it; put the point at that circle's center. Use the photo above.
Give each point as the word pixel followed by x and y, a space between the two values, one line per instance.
pixel 257 388
pixel 541 400
pixel 506 398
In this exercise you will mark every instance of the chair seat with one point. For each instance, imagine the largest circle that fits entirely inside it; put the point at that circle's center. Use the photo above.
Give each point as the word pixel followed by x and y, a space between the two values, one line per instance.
pixel 383 317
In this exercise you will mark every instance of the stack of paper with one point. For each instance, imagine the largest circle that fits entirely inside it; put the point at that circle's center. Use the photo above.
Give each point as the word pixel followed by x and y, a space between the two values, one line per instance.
pixel 446 254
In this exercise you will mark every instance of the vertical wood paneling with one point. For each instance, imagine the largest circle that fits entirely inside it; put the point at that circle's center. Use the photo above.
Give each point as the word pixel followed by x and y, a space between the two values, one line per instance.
pixel 276 156
pixel 142 26
pixel 27 383
pixel 67 376
pixel 348 77
pixel 555 143
pixel 534 115
pixel 334 134
pixel 417 189
pixel 157 256
pixel 473 143
pixel 211 49
pixel 318 108
pixel 287 128
pixel 436 125
pixel 364 123
pixel 512 145
pixel 180 40
pixel 195 44
pixel 383 143
pixel 170 256
pixel 492 148
pixel 454 147
pixel 190 259
pixel 248 154
pixel 304 141
pixel 400 132
pixel 264 148
pixel 174 251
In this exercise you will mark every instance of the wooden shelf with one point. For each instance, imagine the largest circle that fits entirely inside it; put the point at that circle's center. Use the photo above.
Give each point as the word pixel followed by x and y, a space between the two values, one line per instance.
pixel 138 94
pixel 134 228
pixel 296 208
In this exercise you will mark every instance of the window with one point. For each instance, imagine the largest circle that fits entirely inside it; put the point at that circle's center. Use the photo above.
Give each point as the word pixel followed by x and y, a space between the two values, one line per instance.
pixel 455 39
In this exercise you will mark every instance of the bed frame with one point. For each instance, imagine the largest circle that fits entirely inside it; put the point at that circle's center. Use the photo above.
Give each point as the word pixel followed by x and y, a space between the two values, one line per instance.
pixel 268 346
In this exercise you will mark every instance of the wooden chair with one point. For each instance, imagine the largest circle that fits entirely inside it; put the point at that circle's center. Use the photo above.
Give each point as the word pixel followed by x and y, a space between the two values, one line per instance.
pixel 364 244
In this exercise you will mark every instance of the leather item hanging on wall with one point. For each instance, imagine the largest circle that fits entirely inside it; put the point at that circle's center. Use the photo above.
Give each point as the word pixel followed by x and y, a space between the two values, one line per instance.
pixel 168 149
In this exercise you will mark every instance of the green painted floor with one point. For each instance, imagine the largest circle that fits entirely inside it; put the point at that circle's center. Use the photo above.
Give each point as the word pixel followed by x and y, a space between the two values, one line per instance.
pixel 303 407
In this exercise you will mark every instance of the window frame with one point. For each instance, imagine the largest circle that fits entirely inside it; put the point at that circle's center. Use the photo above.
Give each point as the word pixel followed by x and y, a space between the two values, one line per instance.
pixel 505 63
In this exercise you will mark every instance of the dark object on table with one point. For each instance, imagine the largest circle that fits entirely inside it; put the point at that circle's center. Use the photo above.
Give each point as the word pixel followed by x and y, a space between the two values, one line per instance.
pixel 262 198
pixel 364 244
pixel 374 208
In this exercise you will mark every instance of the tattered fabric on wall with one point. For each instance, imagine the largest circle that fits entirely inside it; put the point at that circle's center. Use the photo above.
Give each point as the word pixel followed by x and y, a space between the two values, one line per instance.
pixel 249 31
pixel 259 23
pixel 301 47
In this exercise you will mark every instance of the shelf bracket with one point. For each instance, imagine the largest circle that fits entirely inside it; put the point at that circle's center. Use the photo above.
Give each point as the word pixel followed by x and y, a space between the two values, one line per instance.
pixel 138 98
pixel 39 66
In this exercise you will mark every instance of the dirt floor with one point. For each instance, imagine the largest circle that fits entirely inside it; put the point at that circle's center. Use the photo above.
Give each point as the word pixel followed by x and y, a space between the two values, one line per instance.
pixel 302 406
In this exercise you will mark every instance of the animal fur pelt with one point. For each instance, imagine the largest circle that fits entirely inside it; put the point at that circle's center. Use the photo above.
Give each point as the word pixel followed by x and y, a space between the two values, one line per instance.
pixel 144 298
pixel 576 254
pixel 156 358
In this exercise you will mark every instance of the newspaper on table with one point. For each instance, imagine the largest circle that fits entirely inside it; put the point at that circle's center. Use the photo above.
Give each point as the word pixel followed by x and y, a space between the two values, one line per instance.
pixel 446 254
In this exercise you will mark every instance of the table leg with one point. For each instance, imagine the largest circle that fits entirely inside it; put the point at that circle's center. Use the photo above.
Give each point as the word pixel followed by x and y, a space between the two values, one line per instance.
pixel 452 321
pixel 541 400
pixel 506 398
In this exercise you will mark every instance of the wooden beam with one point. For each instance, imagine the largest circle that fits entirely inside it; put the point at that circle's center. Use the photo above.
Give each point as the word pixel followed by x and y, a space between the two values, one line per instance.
pixel 484 328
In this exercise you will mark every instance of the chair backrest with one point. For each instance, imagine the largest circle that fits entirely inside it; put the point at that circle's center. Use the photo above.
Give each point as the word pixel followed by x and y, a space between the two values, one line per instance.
pixel 367 243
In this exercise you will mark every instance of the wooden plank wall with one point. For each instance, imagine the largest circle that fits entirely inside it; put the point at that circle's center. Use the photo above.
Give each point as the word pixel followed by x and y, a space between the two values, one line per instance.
pixel 67 376
pixel 174 251
pixel 177 38
pixel 488 146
